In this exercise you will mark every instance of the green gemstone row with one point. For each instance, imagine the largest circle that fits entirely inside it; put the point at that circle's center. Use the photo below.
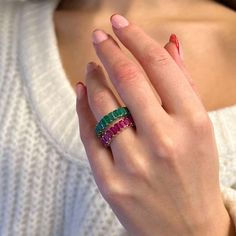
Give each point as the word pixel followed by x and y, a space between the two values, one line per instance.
pixel 109 118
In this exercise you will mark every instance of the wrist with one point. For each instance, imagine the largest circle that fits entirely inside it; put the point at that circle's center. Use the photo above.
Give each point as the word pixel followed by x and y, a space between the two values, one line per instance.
pixel 228 226
pixel 220 224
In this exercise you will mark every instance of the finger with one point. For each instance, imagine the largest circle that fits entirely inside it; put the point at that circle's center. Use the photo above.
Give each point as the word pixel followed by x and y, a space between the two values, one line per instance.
pixel 176 93
pixel 174 48
pixel 129 81
pixel 102 101
pixel 100 159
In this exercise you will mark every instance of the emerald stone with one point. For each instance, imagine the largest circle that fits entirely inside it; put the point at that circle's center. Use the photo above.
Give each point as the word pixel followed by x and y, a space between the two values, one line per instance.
pixel 103 122
pixel 124 112
pixel 107 119
pixel 97 129
pixel 120 112
pixel 100 127
pixel 111 116
pixel 116 113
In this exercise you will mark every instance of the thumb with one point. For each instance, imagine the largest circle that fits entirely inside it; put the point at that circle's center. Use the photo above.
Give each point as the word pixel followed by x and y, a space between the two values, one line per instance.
pixel 175 49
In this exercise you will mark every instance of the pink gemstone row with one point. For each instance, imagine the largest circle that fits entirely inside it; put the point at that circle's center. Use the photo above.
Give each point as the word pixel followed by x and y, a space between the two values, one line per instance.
pixel 115 129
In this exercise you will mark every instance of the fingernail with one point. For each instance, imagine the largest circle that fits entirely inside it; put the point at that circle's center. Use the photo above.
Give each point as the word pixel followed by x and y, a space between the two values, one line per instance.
pixel 79 90
pixel 174 39
pixel 91 66
pixel 119 21
pixel 99 36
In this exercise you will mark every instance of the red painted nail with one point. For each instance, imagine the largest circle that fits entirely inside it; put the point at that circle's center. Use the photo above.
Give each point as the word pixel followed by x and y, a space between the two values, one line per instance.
pixel 79 83
pixel 174 39
pixel 79 90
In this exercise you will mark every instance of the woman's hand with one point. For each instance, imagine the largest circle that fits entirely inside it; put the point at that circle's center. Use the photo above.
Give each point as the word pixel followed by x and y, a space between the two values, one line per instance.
pixel 161 178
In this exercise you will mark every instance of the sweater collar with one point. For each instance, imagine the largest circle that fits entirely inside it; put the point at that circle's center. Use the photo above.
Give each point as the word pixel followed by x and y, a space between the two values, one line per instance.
pixel 52 98
pixel 50 94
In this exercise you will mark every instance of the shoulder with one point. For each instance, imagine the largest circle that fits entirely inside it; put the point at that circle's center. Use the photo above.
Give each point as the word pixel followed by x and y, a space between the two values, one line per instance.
pixel 7 6
pixel 9 20
pixel 9 25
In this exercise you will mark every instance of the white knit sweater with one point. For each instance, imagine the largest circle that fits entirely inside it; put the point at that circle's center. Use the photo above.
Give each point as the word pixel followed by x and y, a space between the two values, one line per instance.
pixel 46 185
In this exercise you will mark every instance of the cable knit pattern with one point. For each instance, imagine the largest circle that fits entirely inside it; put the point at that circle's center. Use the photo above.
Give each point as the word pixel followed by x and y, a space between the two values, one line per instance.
pixel 46 185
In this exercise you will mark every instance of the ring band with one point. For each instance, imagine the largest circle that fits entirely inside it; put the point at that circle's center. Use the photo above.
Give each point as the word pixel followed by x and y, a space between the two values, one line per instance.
pixel 109 118
pixel 111 132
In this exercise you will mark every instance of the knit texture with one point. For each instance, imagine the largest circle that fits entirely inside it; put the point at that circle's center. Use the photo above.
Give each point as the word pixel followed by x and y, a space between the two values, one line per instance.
pixel 46 184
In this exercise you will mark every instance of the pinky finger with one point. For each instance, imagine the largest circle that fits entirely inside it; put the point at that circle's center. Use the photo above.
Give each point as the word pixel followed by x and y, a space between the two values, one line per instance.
pixel 174 48
pixel 100 158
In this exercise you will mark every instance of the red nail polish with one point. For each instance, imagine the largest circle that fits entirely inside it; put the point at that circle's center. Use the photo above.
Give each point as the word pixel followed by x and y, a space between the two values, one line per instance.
pixel 79 90
pixel 79 83
pixel 174 39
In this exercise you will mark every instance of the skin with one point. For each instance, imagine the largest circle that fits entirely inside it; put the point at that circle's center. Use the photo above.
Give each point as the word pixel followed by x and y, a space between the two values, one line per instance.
pixel 172 157
pixel 178 189
pixel 215 35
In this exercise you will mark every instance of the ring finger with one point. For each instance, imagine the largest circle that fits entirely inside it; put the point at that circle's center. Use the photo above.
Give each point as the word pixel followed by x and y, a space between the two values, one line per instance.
pixel 102 101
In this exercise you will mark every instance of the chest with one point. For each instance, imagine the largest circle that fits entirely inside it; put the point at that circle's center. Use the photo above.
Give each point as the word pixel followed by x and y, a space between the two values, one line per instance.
pixel 209 55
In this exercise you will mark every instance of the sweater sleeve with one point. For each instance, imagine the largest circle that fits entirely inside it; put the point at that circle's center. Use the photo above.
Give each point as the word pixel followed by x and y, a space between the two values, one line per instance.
pixel 229 198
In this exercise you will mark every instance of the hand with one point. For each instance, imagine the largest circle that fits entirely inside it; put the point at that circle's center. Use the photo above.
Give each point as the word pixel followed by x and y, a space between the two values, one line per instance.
pixel 161 178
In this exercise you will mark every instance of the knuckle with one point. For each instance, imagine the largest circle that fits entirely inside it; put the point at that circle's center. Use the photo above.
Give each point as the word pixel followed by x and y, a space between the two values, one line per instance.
pixel 163 144
pixel 166 148
pixel 200 123
pixel 155 56
pixel 139 169
pixel 114 192
pixel 126 72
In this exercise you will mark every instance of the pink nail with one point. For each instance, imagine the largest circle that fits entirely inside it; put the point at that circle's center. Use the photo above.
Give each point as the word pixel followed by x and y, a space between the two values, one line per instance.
pixel 99 36
pixel 119 21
